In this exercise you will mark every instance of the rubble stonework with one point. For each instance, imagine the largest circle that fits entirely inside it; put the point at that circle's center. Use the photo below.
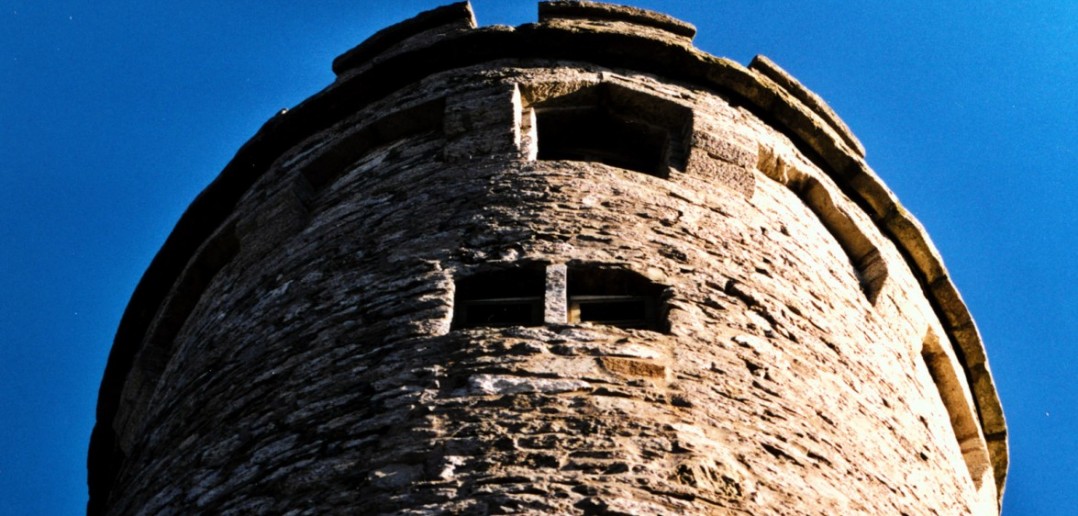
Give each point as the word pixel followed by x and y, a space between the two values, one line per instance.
pixel 577 266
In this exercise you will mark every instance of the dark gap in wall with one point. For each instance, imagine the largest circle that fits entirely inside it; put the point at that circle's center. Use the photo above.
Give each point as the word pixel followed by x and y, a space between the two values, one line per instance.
pixel 615 125
pixel 595 134
pixel 502 297
pixel 615 297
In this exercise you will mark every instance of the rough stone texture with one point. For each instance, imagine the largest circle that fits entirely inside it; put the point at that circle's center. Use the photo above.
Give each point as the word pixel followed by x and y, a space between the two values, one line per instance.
pixel 292 348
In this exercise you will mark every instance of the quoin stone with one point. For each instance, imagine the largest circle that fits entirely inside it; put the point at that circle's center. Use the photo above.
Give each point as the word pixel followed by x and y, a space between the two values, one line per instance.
pixel 577 266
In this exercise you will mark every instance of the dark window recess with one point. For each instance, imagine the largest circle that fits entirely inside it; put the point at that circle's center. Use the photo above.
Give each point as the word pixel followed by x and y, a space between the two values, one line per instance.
pixel 621 311
pixel 509 311
pixel 615 297
pixel 508 297
pixel 595 134
pixel 614 125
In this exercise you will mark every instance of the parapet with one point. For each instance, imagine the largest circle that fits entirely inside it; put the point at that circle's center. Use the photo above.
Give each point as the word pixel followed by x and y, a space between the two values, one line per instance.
pixel 599 34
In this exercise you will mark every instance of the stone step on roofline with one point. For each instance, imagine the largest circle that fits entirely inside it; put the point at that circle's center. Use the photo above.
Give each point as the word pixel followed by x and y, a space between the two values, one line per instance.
pixel 599 11
pixel 423 29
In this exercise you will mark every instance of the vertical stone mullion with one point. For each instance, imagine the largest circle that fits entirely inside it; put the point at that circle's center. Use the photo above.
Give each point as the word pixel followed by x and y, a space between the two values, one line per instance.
pixel 556 306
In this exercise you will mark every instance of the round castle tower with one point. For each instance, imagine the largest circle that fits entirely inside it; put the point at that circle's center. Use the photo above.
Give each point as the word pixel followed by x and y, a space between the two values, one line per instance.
pixel 577 266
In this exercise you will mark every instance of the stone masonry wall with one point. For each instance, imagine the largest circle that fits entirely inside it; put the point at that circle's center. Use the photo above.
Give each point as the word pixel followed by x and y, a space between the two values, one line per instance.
pixel 306 359
pixel 318 369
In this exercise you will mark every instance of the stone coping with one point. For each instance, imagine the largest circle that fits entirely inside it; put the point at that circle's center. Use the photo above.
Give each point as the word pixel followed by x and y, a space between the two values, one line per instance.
pixel 612 36
pixel 597 11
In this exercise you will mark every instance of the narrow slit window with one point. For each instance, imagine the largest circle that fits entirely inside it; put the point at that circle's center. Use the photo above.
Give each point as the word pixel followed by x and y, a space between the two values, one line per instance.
pixel 508 297
pixel 614 297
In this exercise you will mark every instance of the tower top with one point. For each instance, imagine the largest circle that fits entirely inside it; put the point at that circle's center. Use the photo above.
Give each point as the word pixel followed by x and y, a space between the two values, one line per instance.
pixel 612 36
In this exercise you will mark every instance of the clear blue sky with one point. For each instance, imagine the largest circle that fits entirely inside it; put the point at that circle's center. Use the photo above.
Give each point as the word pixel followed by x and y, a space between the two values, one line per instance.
pixel 114 114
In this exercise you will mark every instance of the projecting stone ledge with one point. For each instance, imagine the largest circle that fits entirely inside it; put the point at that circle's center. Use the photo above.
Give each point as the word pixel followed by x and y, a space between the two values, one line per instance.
pixel 593 14
pixel 812 101
pixel 424 29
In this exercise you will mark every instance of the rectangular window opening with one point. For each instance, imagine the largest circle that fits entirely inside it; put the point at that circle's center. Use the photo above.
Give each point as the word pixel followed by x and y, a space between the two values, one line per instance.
pixel 500 297
pixel 621 311
pixel 594 134
pixel 607 123
pixel 498 312
pixel 614 297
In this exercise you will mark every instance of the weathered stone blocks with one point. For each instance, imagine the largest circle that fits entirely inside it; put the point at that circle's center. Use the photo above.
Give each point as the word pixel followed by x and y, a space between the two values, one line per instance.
pixel 494 270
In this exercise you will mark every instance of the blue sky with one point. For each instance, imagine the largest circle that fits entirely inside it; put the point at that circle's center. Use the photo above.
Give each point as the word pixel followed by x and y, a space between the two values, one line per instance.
pixel 114 114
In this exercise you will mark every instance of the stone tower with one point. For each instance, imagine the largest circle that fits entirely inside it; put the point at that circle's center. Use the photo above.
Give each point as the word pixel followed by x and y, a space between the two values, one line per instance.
pixel 577 266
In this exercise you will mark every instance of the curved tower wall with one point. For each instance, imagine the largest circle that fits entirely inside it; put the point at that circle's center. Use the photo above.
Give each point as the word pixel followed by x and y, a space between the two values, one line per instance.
pixel 565 267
